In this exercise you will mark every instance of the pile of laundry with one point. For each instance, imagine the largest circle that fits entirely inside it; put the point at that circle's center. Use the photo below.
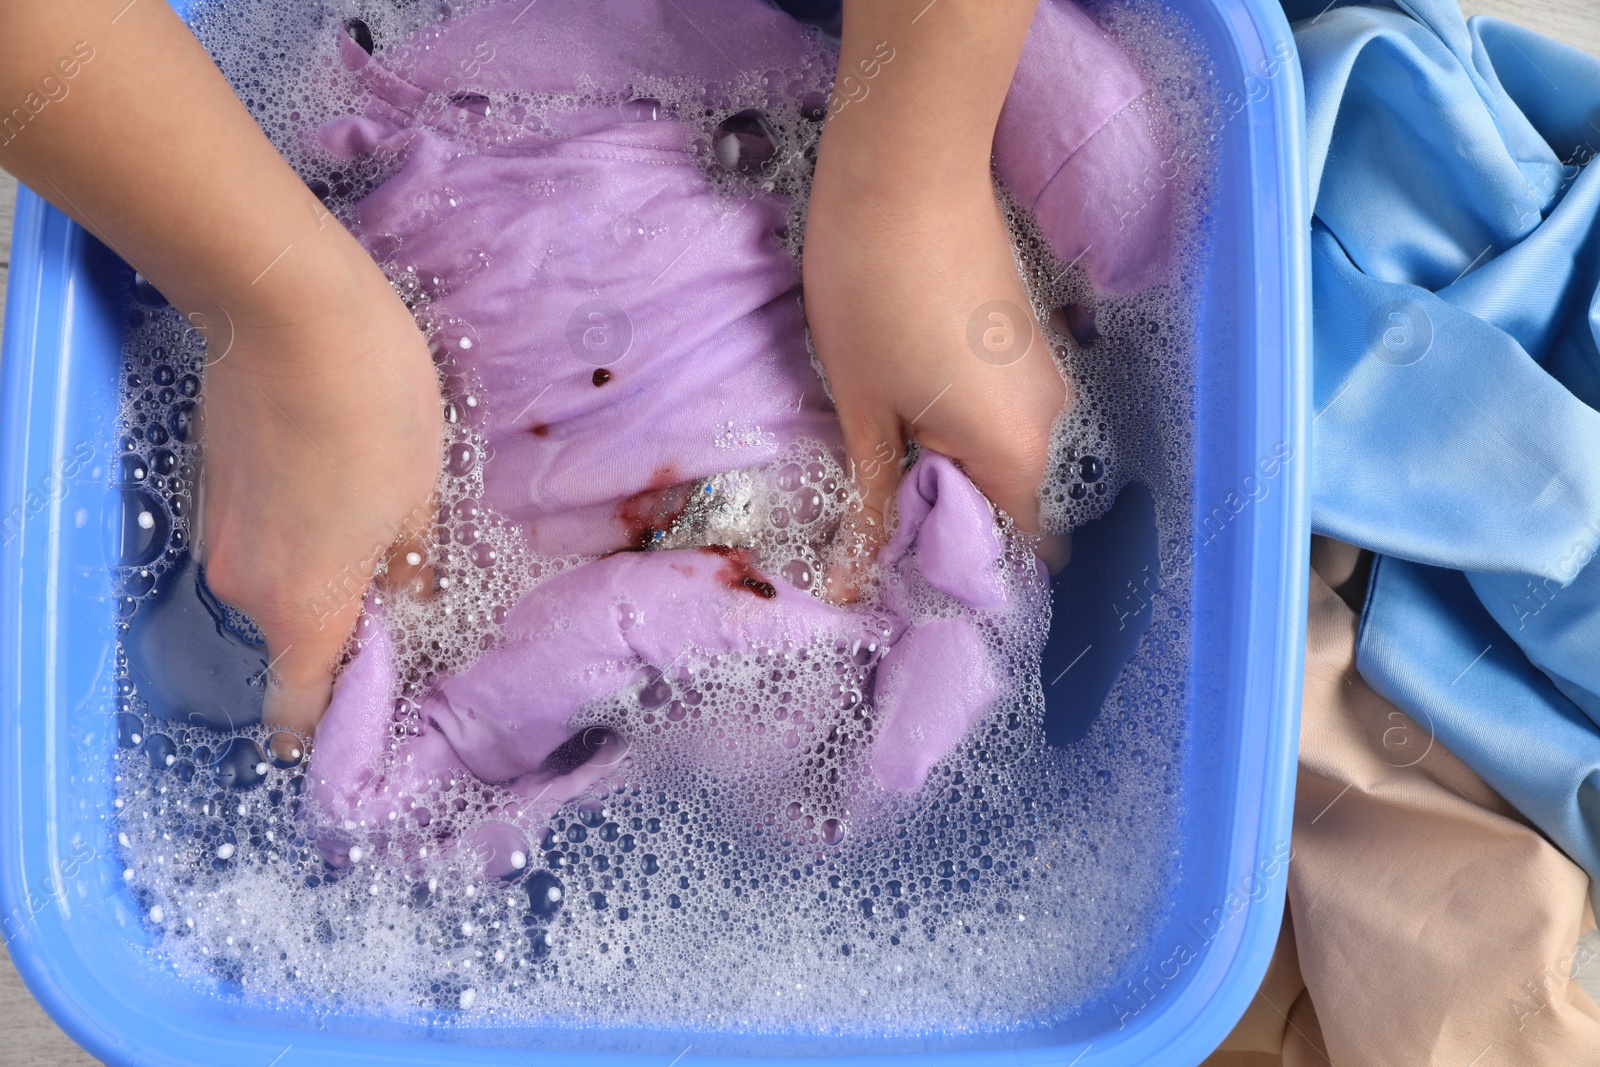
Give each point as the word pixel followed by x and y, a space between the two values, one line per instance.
pixel 1447 823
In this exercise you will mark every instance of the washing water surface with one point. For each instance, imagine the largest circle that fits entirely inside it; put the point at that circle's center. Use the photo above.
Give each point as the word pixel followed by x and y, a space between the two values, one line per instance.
pixel 614 760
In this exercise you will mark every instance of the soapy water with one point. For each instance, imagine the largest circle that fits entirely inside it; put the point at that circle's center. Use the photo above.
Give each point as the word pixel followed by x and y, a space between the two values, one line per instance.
pixel 715 881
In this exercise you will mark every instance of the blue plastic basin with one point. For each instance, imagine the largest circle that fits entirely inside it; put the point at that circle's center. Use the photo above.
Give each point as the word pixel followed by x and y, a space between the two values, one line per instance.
pixel 73 930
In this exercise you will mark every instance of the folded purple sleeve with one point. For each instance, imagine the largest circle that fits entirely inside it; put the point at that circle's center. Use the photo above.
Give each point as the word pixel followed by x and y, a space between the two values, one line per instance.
pixel 1087 163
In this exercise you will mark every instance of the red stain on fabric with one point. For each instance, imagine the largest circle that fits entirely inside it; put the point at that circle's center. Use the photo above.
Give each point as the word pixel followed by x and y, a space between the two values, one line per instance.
pixel 739 572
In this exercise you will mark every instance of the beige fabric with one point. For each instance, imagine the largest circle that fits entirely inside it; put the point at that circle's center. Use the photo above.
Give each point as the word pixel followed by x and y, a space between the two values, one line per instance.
pixel 1429 925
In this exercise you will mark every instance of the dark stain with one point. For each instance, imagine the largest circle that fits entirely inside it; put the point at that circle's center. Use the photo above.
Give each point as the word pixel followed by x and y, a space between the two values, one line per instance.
pixel 654 510
pixel 601 376
pixel 739 573
pixel 541 430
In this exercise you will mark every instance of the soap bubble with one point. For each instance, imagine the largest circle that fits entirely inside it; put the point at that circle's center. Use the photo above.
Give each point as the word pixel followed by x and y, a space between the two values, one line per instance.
pixel 240 765
pixel 140 528
pixel 132 469
pixel 286 750
pixel 745 142
pixel 545 893
pixel 184 422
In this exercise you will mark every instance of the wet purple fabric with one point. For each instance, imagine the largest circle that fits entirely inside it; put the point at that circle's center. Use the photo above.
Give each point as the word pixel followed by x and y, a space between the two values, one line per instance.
pixel 620 620
pixel 1075 146
pixel 631 329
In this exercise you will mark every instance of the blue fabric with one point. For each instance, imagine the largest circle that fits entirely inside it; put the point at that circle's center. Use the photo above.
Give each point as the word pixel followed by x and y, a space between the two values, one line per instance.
pixel 1429 645
pixel 1456 263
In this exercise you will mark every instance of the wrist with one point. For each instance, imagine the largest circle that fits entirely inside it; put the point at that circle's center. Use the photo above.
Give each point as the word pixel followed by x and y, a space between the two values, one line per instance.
pixel 317 278
pixel 860 160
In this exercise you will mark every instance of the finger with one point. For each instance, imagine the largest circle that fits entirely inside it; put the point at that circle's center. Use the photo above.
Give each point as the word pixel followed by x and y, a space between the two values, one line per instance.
pixel 875 449
pixel 1055 550
pixel 304 648
pixel 1002 438
pixel 299 685
pixel 1010 478
pixel 1003 454
pixel 1012 484
pixel 303 651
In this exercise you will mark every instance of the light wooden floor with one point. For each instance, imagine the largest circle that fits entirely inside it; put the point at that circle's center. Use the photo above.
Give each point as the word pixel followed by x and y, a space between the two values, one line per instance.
pixel 27 1036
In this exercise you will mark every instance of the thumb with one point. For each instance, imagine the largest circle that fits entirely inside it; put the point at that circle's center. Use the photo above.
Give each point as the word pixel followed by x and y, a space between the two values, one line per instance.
pixel 304 646
pixel 875 449
pixel 301 658
pixel 299 685
pixel 1010 477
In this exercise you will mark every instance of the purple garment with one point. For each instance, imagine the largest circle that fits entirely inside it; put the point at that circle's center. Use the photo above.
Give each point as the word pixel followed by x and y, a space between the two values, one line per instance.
pixel 599 627
pixel 523 238
pixel 1087 164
